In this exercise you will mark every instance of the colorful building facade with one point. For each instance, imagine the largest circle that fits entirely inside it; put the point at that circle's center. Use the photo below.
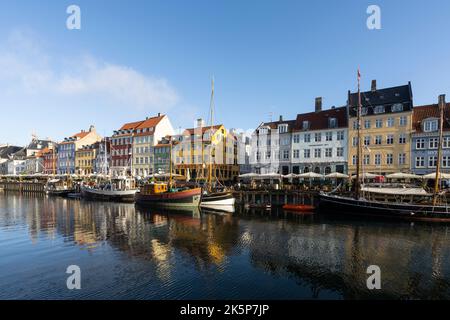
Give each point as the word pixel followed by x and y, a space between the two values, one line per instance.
pixel 386 128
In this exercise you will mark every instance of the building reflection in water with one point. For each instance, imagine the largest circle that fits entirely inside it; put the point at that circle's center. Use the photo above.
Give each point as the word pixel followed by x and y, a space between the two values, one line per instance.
pixel 324 258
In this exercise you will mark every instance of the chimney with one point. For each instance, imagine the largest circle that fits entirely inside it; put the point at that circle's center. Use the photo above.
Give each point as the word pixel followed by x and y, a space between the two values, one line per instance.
pixel 318 104
pixel 159 114
pixel 200 123
pixel 281 118
pixel 442 101
pixel 91 128
pixel 374 85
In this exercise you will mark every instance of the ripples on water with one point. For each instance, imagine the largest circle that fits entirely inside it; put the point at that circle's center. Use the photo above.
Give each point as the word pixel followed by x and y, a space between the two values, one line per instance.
pixel 126 252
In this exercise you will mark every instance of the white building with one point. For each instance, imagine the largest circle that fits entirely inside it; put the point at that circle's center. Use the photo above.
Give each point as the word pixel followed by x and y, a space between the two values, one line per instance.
pixel 319 141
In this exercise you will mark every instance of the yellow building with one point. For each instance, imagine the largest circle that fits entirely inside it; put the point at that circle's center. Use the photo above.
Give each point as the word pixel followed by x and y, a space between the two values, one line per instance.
pixel 85 159
pixel 201 148
pixel 386 127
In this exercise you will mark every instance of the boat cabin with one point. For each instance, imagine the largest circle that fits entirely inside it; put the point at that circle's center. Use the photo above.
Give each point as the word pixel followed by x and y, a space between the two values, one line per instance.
pixel 154 188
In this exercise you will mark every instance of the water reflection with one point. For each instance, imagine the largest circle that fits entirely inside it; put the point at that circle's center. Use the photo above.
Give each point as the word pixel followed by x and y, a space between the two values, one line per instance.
pixel 133 252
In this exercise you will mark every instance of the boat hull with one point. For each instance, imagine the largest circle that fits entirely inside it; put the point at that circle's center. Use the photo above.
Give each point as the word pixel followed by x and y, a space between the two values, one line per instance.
pixel 344 205
pixel 60 193
pixel 218 199
pixel 180 199
pixel 108 195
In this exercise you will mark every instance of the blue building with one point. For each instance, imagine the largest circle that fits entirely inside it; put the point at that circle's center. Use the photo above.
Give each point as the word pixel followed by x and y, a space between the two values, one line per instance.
pixel 425 139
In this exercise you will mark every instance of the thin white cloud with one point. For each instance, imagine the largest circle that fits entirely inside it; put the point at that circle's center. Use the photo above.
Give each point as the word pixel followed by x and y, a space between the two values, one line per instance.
pixel 26 69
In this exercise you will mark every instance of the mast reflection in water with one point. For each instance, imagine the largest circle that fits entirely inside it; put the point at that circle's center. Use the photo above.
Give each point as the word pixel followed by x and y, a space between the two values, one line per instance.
pixel 126 252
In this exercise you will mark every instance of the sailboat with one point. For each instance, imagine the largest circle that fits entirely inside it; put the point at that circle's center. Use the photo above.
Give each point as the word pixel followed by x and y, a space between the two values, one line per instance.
pixel 431 210
pixel 166 194
pixel 119 189
pixel 211 197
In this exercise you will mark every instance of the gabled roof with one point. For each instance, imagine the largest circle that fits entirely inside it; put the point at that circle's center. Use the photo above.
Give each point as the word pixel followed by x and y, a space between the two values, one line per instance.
pixel 37 144
pixel 275 124
pixel 8 150
pixel 150 123
pixel 320 120
pixel 131 125
pixel 191 131
pixel 421 113
pixel 382 97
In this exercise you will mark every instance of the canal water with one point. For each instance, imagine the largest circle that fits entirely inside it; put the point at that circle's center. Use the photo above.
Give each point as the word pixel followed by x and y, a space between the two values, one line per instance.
pixel 126 252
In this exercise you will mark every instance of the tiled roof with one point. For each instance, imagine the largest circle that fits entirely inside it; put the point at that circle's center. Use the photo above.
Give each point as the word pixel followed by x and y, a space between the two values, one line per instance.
pixel 131 125
pixel 275 124
pixel 320 120
pixel 150 122
pixel 429 111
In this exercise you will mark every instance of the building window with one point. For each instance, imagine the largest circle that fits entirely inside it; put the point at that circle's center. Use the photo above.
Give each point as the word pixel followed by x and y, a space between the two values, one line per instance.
pixel 402 138
pixel 354 157
pixel 403 121
pixel 402 158
pixel 305 125
pixel 366 124
pixel 318 137
pixel 398 107
pixel 296 154
pixel 296 138
pixel 285 154
pixel 446 161
pixel 446 142
pixel 355 125
pixel 433 143
pixel 268 155
pixel 378 159
pixel 367 140
pixel 389 159
pixel 340 152
pixel 328 152
pixel 379 123
pixel 366 159
pixel 390 122
pixel 317 153
pixel 340 135
pixel 332 122
pixel 420 144
pixel 307 137
pixel 307 153
pixel 430 125
pixel 432 161
pixel 329 136
pixel 390 139
pixel 378 109
pixel 282 128
pixel 355 141
pixel 378 140
pixel 363 111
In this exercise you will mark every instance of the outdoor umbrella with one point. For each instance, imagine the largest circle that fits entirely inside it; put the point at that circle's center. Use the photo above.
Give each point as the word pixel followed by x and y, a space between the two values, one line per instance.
pixel 336 175
pixel 442 175
pixel 401 175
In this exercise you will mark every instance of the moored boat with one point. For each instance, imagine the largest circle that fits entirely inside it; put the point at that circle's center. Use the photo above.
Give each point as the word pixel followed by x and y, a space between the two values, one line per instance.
pixel 118 189
pixel 217 199
pixel 159 194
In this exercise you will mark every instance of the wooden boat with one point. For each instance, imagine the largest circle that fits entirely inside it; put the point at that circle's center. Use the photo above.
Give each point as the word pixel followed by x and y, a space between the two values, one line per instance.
pixel 57 187
pixel 265 206
pixel 217 199
pixel 119 189
pixel 299 208
pixel 159 194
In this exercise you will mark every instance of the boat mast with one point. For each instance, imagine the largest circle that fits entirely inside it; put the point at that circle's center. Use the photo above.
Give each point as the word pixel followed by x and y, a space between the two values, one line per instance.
pixel 170 163
pixel 211 115
pixel 439 155
pixel 358 152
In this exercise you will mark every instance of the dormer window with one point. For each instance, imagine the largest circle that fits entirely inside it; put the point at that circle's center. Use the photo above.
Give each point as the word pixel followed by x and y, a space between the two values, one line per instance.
pixel 398 107
pixel 282 128
pixel 332 122
pixel 305 125
pixel 363 111
pixel 430 125
pixel 263 131
pixel 378 109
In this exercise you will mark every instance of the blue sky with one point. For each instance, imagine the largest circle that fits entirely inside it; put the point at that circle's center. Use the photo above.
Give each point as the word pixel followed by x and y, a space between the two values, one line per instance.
pixel 137 58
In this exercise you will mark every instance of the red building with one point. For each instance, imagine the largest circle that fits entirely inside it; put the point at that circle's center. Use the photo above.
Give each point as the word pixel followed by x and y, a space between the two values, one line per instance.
pixel 50 158
pixel 121 149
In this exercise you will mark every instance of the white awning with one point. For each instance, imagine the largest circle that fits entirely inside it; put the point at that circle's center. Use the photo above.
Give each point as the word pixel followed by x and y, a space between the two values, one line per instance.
pixel 336 175
pixel 442 175
pixel 310 175
pixel 401 175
